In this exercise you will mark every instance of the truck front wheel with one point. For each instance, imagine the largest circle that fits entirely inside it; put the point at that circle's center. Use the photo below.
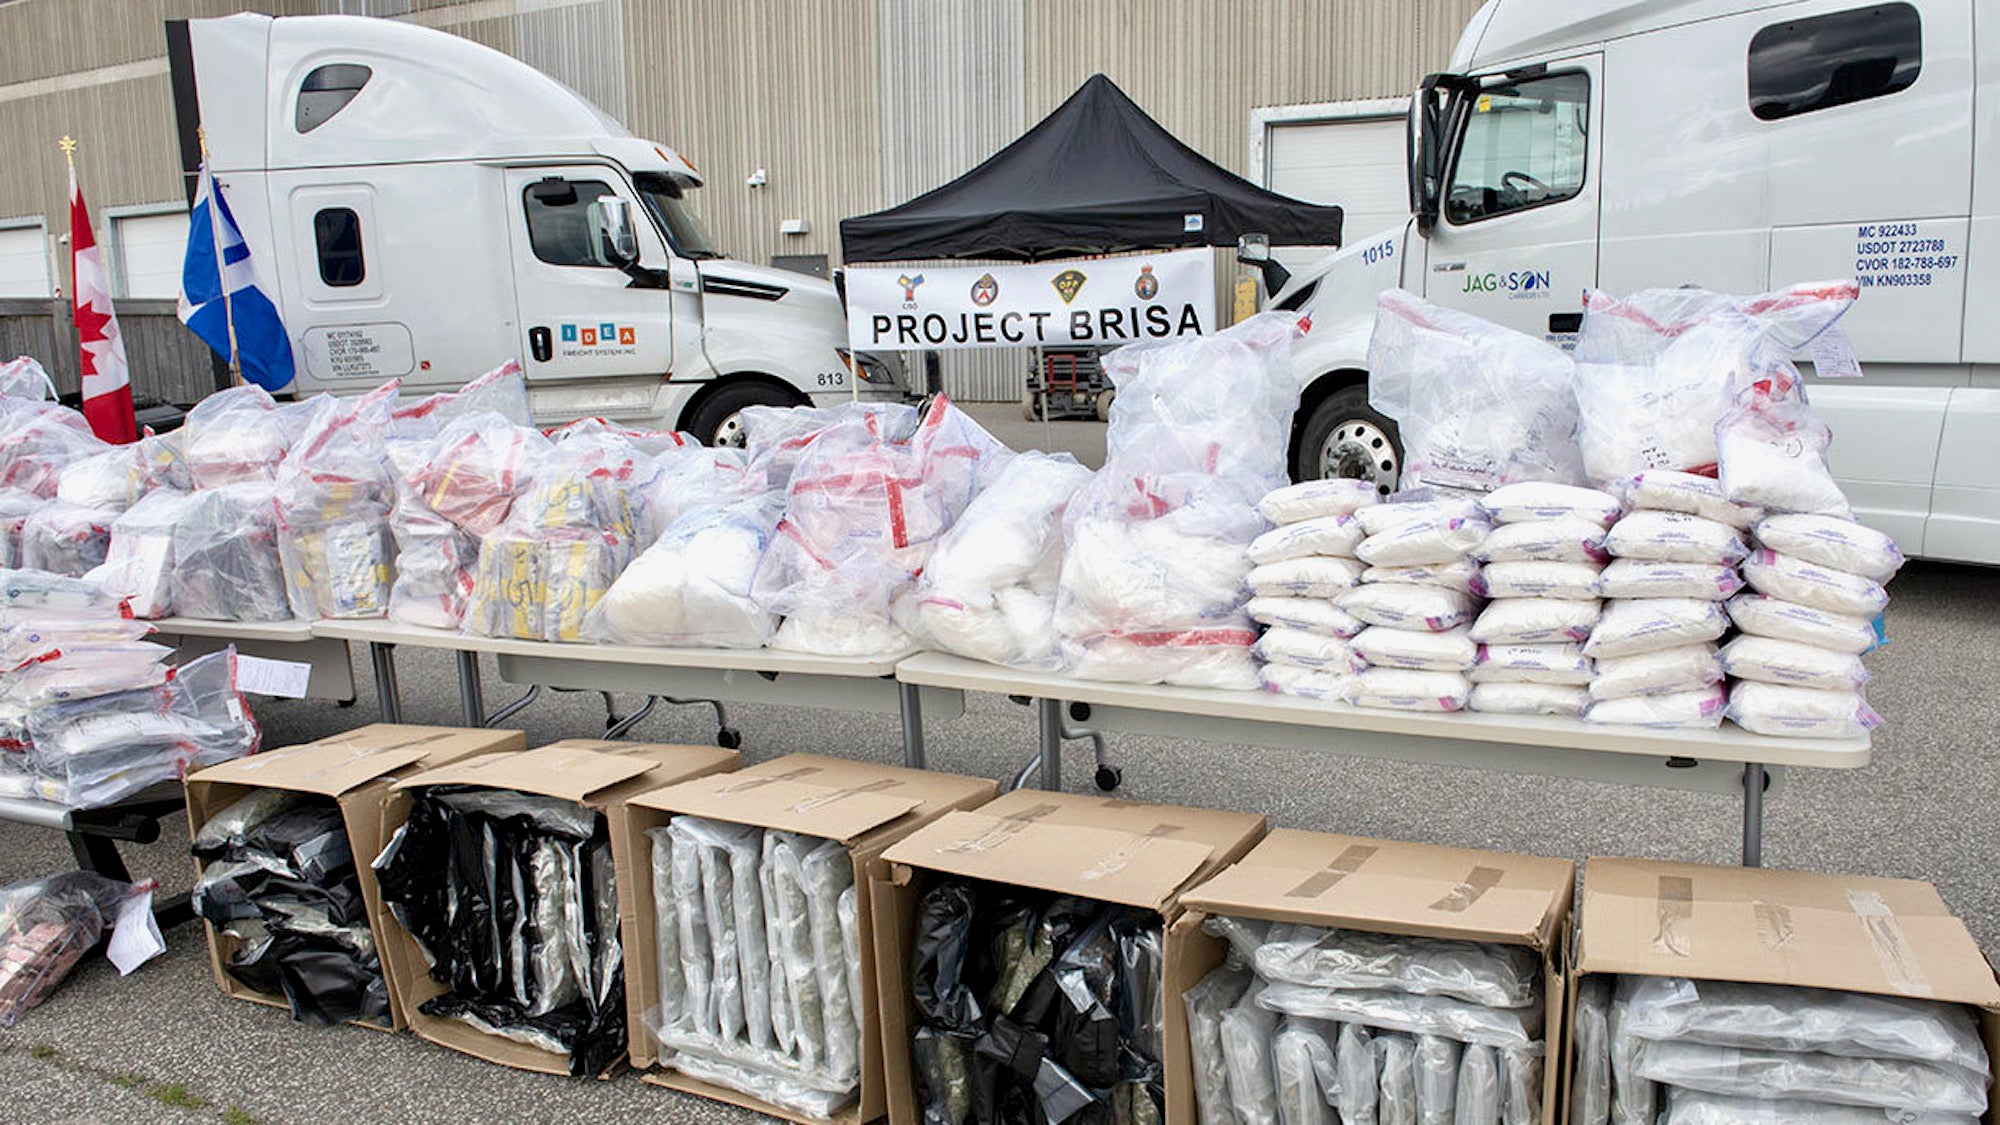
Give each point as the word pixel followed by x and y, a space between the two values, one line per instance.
pixel 1345 437
pixel 719 418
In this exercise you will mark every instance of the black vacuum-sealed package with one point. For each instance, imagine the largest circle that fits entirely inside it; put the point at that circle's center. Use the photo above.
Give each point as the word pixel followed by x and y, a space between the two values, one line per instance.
pixel 1035 1009
pixel 279 877
pixel 512 899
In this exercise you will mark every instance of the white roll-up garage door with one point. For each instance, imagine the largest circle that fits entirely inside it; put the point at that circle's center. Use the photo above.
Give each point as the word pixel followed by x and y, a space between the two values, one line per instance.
pixel 1356 162
pixel 150 249
pixel 24 261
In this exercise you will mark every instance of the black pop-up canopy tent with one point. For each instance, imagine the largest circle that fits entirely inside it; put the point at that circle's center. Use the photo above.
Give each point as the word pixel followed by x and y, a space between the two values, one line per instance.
pixel 1096 176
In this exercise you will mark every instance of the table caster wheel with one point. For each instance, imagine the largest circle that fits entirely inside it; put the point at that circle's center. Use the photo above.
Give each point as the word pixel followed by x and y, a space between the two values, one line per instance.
pixel 729 738
pixel 1109 778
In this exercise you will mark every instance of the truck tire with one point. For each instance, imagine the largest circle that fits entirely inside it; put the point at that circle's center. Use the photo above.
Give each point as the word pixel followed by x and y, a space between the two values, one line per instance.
pixel 719 419
pixel 1345 437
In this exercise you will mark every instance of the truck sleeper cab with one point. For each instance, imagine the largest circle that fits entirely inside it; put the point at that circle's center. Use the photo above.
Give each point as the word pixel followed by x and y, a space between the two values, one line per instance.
pixel 425 208
pixel 1738 146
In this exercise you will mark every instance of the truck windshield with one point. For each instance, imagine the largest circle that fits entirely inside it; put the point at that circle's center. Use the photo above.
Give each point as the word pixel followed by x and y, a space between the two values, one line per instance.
pixel 663 198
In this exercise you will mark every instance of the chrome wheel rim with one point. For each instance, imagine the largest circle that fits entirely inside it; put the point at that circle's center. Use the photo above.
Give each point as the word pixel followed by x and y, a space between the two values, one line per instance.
pixel 1360 450
pixel 730 433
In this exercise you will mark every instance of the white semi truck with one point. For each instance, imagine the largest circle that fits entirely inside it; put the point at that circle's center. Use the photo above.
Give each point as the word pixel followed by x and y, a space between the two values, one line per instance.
pixel 425 208
pixel 1739 145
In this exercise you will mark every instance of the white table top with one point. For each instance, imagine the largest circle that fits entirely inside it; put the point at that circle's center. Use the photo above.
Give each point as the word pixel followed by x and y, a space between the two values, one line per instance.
pixel 1728 743
pixel 383 631
pixel 286 631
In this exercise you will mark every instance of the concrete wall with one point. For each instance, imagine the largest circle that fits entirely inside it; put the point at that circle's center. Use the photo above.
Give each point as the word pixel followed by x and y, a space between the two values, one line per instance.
pixel 847 105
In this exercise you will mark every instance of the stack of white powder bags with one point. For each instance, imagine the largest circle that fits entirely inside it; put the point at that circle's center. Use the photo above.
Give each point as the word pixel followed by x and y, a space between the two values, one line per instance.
pixel 1675 556
pixel 1542 564
pixel 1298 568
pixel 1815 594
pixel 1416 602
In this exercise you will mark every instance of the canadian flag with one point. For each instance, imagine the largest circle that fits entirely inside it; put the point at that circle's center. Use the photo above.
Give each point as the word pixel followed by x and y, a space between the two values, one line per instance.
pixel 107 385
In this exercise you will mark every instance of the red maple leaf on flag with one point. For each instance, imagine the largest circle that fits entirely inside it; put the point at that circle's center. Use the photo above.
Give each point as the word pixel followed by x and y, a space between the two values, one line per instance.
pixel 90 329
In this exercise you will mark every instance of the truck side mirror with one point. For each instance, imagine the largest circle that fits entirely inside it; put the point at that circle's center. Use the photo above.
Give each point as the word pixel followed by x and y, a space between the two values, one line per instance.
pixel 1431 111
pixel 617 241
pixel 1255 250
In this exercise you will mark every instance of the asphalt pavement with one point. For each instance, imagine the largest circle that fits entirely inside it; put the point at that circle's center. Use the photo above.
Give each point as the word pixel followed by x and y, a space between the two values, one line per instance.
pixel 165 1045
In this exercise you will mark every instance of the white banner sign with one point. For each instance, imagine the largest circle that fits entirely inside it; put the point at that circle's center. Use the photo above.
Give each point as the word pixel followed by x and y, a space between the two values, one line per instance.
pixel 1046 304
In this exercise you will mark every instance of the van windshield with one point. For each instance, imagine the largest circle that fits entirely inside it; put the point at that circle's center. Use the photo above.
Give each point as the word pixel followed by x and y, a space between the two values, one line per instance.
pixel 664 199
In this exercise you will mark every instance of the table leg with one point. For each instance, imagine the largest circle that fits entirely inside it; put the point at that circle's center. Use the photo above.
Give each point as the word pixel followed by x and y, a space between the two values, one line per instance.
pixel 387 694
pixel 1049 728
pixel 471 693
pixel 909 701
pixel 98 854
pixel 1753 815
pixel 515 707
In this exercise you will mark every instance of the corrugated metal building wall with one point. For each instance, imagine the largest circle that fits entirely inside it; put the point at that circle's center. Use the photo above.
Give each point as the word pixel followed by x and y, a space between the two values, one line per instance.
pixel 847 105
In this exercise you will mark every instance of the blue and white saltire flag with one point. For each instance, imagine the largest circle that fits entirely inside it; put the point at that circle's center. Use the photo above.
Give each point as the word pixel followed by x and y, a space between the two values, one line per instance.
pixel 262 349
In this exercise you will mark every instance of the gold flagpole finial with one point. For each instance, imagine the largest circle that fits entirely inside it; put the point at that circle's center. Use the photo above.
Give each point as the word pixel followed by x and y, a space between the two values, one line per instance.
pixel 68 146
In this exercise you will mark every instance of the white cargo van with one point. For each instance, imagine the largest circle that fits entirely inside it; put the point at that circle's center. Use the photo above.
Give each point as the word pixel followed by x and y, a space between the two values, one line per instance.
pixel 1733 144
pixel 423 207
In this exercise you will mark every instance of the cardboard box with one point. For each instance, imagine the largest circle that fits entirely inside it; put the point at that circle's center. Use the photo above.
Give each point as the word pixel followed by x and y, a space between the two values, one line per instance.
pixel 1390 887
pixel 593 773
pixel 356 769
pixel 1135 855
pixel 1854 933
pixel 865 806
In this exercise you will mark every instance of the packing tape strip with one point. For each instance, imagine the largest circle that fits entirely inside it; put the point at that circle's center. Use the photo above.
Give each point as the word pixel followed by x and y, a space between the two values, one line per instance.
pixel 354 751
pixel 1774 924
pixel 1673 935
pixel 1350 860
pixel 822 800
pixel 1892 948
pixel 1001 831
pixel 745 785
pixel 1119 858
pixel 1461 897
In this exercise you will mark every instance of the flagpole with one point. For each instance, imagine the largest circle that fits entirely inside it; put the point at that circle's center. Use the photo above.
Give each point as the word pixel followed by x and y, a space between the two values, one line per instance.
pixel 221 270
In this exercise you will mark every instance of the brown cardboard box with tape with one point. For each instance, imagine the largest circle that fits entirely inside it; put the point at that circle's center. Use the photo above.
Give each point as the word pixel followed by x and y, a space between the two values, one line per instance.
pixel 800 801
pixel 598 776
pixel 355 770
pixel 1092 848
pixel 1477 906
pixel 1793 992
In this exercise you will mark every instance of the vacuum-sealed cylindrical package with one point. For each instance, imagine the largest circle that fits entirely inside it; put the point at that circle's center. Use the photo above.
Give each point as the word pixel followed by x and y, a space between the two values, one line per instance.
pixel 1477 1097
pixel 1206 1002
pixel 1358 1064
pixel 1302 1062
pixel 1396 1096
pixel 1248 1029
pixel 1437 1079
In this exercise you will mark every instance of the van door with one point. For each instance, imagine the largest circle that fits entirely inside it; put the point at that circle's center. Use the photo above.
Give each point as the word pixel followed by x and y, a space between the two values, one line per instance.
pixel 1516 237
pixel 582 318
